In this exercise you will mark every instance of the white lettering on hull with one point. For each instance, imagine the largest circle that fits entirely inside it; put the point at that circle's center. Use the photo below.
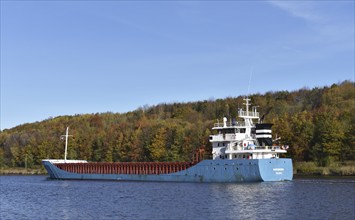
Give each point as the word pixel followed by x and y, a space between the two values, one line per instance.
pixel 278 169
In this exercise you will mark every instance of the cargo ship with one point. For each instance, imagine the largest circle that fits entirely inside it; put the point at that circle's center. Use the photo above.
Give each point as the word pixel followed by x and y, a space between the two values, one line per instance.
pixel 241 152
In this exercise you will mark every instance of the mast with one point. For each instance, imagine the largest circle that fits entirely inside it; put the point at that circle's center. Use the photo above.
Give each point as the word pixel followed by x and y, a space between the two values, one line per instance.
pixel 248 116
pixel 66 144
pixel 247 105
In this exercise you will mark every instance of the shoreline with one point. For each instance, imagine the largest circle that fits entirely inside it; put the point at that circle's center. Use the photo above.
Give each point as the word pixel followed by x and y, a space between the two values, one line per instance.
pixel 21 171
pixel 305 177
pixel 334 169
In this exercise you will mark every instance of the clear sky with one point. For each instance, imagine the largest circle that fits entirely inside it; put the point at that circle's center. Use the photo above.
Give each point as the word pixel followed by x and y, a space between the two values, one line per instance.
pixel 76 57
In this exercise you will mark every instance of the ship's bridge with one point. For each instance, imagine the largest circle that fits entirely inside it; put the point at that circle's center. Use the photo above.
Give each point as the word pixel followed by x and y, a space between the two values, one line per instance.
pixel 228 131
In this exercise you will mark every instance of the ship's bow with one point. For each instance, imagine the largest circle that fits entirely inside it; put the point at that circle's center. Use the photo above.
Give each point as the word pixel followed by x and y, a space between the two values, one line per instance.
pixel 48 165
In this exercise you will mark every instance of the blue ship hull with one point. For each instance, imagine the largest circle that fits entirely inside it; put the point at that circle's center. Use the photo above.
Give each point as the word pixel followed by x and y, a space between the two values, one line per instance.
pixel 220 171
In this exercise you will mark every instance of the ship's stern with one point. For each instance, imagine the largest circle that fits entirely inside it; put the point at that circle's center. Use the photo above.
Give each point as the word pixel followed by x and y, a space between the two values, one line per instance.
pixel 278 169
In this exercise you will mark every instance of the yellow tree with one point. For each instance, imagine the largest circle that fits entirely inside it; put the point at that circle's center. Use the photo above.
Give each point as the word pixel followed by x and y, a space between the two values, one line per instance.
pixel 157 147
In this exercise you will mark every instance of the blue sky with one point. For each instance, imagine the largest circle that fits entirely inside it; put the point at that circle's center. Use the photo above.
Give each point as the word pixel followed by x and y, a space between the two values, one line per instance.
pixel 66 58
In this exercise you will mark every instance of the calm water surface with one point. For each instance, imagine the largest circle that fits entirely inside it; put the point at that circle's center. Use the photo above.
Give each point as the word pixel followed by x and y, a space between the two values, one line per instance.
pixel 35 197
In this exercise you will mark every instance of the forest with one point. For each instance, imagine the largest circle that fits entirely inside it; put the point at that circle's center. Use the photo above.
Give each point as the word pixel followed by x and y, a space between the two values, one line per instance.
pixel 317 124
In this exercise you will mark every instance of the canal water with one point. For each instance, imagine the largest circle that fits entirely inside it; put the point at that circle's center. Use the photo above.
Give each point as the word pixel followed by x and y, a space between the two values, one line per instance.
pixel 35 197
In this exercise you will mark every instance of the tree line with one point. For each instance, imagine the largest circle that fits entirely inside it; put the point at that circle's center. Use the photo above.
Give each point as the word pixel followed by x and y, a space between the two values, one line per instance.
pixel 317 124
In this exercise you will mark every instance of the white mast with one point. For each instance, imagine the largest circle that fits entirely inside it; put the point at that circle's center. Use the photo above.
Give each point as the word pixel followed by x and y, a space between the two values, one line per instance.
pixel 247 105
pixel 248 117
pixel 66 144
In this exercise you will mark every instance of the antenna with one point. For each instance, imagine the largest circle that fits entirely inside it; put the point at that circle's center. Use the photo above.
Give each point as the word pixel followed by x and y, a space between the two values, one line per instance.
pixel 66 144
pixel 251 74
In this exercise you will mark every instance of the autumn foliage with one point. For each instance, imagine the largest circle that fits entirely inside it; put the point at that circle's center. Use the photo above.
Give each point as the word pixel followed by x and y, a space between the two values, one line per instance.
pixel 317 124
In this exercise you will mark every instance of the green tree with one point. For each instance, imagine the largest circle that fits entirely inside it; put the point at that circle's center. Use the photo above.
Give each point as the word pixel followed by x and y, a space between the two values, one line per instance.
pixel 348 148
pixel 302 133
pixel 2 158
pixel 176 137
pixel 117 146
pixel 327 138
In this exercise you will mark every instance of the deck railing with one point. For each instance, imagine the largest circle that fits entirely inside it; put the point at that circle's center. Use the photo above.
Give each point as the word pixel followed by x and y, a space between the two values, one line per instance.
pixel 229 124
pixel 272 148
pixel 242 113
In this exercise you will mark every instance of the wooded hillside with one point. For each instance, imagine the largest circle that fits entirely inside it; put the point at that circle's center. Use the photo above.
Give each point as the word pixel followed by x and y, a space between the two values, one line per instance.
pixel 317 124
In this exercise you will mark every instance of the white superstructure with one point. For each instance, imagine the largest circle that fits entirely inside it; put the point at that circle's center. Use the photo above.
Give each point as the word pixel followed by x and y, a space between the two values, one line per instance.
pixel 244 140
